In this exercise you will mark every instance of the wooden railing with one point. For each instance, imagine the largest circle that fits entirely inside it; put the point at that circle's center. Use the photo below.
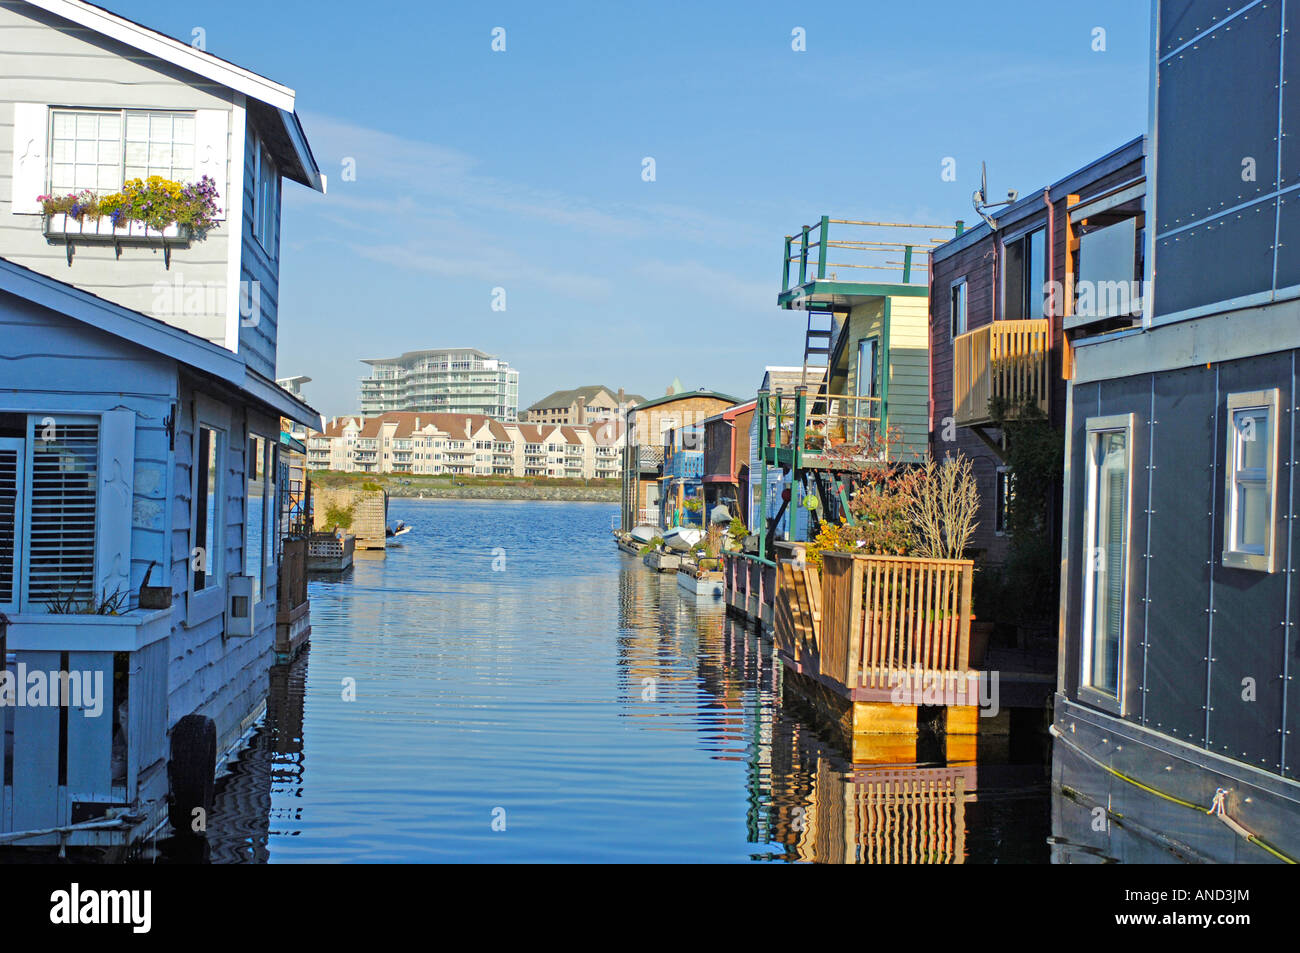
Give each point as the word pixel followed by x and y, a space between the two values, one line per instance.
pixel 1005 360
pixel 884 618
pixel 797 612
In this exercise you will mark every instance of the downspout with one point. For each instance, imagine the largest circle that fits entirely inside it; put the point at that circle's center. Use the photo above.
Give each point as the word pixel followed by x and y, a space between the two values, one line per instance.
pixel 933 341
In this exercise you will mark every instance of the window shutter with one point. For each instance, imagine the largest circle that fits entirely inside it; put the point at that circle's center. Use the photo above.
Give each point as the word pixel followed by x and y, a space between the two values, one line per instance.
pixel 31 133
pixel 211 146
pixel 116 501
pixel 61 538
pixel 11 472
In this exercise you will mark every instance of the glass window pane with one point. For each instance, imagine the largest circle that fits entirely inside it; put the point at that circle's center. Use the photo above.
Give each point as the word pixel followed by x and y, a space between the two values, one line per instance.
pixel 1036 276
pixel 1109 519
pixel 1252 518
pixel 160 127
pixel 254 512
pixel 137 127
pixel 1013 282
pixel 87 125
pixel 1252 438
pixel 110 126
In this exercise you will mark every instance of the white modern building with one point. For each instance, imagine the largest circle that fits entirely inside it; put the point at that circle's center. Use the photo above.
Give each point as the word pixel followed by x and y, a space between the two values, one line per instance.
pixel 459 380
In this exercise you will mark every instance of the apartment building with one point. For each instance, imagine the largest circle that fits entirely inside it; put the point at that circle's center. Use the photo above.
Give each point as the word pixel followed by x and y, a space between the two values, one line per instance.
pixel 465 444
pixel 460 380
pixel 582 405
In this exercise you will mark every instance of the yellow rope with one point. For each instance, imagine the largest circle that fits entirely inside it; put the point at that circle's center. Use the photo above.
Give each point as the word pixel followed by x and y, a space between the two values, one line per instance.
pixel 1216 808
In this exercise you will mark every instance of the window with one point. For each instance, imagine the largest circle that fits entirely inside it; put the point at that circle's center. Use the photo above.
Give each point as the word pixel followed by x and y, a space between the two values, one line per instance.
pixel 266 198
pixel 1110 267
pixel 1024 277
pixel 1004 493
pixel 1106 558
pixel 12 468
pixel 207 493
pixel 255 510
pixel 958 311
pixel 101 149
pixel 1250 506
pixel 868 386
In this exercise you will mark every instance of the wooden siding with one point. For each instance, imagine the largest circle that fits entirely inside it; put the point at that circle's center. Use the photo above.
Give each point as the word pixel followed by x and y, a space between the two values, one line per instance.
pixel 52 62
pixel 53 364
pixel 225 679
pixel 908 391
pixel 977 265
pixel 257 335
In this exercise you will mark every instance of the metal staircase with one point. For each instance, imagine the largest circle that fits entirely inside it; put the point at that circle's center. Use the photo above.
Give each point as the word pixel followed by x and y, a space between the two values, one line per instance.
pixel 819 342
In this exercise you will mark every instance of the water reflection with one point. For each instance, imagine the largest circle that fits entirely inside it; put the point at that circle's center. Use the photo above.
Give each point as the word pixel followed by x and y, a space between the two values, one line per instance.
pixel 608 715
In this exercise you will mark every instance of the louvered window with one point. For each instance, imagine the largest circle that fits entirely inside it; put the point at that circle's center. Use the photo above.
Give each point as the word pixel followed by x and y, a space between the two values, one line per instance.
pixel 11 475
pixel 63 497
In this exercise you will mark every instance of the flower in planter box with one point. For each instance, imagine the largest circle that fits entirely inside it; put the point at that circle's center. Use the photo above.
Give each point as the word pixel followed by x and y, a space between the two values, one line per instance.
pixel 156 202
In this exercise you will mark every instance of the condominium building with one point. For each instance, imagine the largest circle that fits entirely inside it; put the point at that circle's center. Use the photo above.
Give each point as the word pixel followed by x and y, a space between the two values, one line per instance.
pixel 582 405
pixel 465 444
pixel 459 380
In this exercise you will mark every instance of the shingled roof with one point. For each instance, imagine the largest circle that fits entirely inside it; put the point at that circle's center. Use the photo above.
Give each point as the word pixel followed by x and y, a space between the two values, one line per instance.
pixel 567 398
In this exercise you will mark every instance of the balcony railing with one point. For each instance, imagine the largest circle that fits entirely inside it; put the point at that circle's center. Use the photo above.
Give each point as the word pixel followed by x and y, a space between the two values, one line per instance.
pixel 860 252
pixel 1004 362
pixel 812 429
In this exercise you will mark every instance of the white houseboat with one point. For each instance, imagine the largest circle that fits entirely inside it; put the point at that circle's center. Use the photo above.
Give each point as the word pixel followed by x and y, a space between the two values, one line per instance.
pixel 140 473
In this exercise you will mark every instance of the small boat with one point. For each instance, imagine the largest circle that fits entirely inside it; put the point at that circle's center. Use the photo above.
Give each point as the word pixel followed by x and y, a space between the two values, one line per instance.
pixel 644 533
pixel 682 538
pixel 401 529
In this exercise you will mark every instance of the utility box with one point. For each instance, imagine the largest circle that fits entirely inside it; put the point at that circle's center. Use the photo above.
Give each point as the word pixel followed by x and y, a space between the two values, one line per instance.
pixel 239 608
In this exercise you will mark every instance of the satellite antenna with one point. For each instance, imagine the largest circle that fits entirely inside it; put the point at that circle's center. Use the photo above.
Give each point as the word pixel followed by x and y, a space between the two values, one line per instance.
pixel 981 198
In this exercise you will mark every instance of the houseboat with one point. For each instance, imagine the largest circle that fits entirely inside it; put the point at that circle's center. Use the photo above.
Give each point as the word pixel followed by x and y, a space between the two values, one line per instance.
pixel 643 448
pixel 1176 720
pixel 140 427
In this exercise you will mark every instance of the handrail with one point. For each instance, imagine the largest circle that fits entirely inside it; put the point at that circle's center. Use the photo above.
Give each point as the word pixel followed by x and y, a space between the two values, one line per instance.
pixel 1004 361
pixel 870 249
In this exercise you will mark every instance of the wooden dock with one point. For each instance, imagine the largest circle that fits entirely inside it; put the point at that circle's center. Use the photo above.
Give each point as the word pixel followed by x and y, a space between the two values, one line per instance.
pixel 876 648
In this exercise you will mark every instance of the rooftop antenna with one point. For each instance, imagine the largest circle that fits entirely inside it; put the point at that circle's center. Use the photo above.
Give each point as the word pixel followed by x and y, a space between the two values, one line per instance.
pixel 980 199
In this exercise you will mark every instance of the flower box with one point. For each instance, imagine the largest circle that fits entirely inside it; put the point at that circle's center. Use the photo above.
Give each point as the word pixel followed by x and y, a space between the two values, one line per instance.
pixel 102 229
pixel 49 632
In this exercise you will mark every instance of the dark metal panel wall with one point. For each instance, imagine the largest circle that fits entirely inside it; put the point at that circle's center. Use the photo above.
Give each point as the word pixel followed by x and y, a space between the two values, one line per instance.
pixel 1217 149
pixel 1248 622
pixel 1182 497
pixel 1227 258
pixel 1132 395
pixel 1182 20
pixel 1291 660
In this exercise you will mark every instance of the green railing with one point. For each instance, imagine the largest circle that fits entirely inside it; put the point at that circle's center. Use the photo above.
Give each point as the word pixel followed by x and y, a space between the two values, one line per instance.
pixel 891 247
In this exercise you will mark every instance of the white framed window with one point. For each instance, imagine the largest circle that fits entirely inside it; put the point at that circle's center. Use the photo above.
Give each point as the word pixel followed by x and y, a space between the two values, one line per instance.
pixel 1250 492
pixel 266 198
pixel 256 510
pixel 1106 558
pixel 101 150
pixel 958 305
pixel 207 551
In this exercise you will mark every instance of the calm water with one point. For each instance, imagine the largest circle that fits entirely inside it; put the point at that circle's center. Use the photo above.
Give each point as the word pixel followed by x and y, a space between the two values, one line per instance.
pixel 513 669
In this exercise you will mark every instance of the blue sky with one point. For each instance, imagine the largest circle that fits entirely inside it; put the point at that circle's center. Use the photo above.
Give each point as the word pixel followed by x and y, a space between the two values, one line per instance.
pixel 522 169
